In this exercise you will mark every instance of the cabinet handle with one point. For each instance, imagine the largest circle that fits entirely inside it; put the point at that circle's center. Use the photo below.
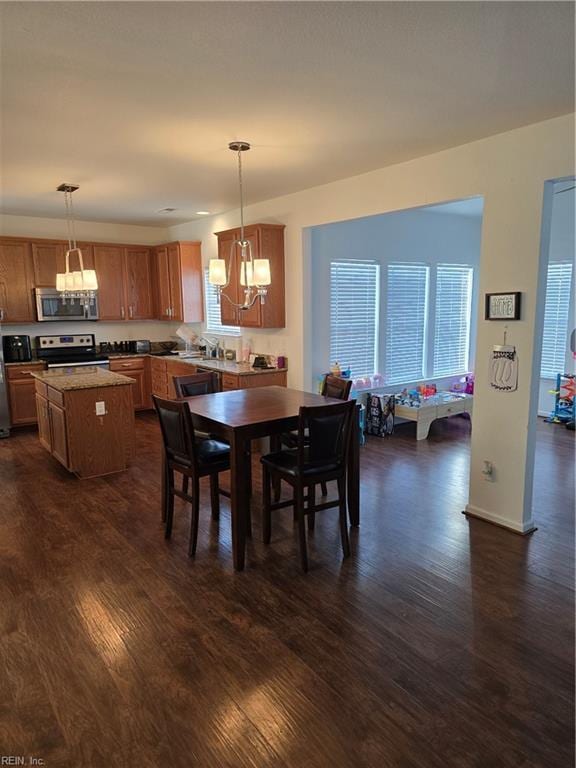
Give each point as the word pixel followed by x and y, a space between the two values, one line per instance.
pixel 131 311
pixel 122 312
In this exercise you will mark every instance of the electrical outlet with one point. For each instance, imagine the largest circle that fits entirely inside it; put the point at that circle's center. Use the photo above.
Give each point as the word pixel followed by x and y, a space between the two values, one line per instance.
pixel 101 408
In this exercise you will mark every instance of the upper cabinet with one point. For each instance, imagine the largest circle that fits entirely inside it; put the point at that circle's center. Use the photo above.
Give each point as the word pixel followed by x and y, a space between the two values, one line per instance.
pixel 124 282
pixel 16 282
pixel 267 241
pixel 49 258
pixel 179 282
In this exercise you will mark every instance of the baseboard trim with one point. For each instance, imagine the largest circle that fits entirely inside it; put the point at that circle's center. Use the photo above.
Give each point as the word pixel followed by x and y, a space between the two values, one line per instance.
pixel 489 517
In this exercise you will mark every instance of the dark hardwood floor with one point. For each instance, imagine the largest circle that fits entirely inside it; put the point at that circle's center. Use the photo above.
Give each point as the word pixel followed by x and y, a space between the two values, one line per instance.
pixel 441 642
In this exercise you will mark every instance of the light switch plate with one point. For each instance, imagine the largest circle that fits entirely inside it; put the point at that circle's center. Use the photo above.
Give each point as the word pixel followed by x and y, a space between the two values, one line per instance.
pixel 101 408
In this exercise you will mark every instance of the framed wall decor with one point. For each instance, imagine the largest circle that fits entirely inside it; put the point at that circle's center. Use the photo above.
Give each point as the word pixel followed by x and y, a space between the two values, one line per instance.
pixel 503 306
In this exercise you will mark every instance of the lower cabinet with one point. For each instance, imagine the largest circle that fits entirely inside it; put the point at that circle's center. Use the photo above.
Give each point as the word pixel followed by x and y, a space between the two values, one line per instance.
pixel 137 368
pixel 251 380
pixel 21 393
pixel 87 442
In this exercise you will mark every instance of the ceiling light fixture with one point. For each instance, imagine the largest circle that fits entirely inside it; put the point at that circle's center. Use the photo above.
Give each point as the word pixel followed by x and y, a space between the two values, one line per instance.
pixel 253 274
pixel 202 213
pixel 82 283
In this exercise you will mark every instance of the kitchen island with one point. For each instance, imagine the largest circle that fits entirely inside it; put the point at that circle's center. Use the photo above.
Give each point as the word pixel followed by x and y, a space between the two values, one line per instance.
pixel 86 418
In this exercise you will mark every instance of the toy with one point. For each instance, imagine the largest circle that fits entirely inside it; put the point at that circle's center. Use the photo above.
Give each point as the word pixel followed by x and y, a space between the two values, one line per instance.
pixel 564 393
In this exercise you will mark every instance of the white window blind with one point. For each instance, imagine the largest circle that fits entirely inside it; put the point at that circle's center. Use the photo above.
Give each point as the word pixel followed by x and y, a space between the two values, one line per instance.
pixel 452 326
pixel 354 300
pixel 406 322
pixel 213 321
pixel 555 336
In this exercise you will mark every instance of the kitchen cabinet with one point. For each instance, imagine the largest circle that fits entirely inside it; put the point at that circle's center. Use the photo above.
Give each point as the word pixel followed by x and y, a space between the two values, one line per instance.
pixel 177 368
pixel 124 282
pixel 87 442
pixel 109 266
pixel 21 394
pixel 137 368
pixel 250 381
pixel 138 283
pixel 267 241
pixel 179 281
pixel 49 258
pixel 16 299
pixel 158 377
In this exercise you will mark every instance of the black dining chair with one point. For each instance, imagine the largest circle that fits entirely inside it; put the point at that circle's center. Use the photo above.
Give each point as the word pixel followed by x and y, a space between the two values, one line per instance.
pixel 196 384
pixel 332 386
pixel 194 458
pixel 321 454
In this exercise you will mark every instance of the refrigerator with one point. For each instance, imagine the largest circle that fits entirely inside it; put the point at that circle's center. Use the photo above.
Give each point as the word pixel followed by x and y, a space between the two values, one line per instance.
pixel 4 413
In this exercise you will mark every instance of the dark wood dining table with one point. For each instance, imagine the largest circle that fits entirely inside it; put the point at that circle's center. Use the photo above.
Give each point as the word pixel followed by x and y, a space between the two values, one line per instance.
pixel 243 415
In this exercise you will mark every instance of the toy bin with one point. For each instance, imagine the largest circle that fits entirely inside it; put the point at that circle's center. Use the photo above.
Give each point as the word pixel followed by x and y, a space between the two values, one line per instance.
pixel 379 414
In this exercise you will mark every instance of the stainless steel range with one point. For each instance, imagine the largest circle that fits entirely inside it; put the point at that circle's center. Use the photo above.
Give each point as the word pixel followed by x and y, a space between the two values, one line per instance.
pixel 72 350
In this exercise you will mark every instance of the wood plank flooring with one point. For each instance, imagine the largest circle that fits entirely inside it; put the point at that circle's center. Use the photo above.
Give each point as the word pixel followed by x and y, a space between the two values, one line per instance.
pixel 441 642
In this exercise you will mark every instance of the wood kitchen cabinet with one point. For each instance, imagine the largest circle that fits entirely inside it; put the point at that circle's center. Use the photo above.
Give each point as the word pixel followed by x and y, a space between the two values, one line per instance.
pixel 16 299
pixel 250 381
pixel 137 368
pixel 124 276
pixel 179 282
pixel 49 258
pixel 21 393
pixel 109 266
pixel 158 377
pixel 267 241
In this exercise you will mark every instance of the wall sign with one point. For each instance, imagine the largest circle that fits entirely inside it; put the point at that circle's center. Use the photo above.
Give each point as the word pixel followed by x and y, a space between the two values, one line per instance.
pixel 503 306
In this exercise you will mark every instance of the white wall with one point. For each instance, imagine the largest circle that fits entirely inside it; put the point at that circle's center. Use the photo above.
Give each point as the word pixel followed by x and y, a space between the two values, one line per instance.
pixel 96 231
pixel 509 170
pixel 562 239
pixel 28 226
pixel 408 236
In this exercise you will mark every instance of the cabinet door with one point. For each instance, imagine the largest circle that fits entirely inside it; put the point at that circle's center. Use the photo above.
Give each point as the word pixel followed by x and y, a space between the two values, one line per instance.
pixel 139 284
pixel 109 265
pixel 58 433
pixel 228 312
pixel 16 283
pixel 175 272
pixel 158 377
pixel 43 422
pixel 163 281
pixel 22 396
pixel 48 259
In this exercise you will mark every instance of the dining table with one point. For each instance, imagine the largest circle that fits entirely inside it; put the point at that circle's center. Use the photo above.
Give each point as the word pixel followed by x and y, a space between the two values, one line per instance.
pixel 243 415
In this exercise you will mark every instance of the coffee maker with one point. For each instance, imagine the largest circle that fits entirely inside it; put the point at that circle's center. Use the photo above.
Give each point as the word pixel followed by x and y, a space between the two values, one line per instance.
pixel 17 349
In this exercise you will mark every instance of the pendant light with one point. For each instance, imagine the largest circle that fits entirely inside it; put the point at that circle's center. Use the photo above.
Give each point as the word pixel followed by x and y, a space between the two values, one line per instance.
pixel 254 274
pixel 81 283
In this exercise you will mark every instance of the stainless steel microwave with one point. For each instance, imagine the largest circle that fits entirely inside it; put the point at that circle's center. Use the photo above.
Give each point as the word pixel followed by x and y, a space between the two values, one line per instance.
pixel 51 305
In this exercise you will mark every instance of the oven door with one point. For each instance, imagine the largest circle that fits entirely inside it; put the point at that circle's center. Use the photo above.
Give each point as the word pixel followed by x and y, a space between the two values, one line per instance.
pixel 52 306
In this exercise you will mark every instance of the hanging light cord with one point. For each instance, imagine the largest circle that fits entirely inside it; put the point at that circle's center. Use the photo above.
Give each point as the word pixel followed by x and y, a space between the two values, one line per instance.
pixel 70 219
pixel 241 185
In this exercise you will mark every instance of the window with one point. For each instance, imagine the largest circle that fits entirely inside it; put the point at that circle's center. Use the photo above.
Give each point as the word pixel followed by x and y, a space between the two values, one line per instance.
pixel 213 322
pixel 406 322
pixel 354 300
pixel 452 326
pixel 555 335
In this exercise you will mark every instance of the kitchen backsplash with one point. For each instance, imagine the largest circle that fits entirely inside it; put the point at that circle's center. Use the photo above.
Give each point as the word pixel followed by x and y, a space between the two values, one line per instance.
pixel 150 329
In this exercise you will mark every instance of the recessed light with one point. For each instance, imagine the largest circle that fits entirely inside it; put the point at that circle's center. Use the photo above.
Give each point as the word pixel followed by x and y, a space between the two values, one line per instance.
pixel 167 210
pixel 202 213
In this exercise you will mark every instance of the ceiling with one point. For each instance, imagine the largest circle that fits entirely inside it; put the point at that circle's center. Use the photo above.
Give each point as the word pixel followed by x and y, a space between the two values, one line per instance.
pixel 136 102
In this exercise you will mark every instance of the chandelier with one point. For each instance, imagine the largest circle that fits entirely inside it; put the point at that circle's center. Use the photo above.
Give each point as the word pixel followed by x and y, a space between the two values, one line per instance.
pixel 81 283
pixel 254 274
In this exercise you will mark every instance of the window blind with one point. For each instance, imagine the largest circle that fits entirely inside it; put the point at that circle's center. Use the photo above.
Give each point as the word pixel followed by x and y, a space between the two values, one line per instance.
pixel 452 326
pixel 555 335
pixel 406 322
pixel 213 321
pixel 354 304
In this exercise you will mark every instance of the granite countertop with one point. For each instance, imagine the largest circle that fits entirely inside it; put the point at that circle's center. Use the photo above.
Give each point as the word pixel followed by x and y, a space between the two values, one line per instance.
pixel 84 377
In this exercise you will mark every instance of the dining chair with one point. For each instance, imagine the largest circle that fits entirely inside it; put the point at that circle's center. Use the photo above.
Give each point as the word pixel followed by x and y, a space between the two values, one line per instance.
pixel 193 457
pixel 320 455
pixel 196 384
pixel 332 386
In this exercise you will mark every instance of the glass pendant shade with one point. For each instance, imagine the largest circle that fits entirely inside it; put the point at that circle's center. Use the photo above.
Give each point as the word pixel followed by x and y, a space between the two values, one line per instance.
pixel 90 280
pixel 262 272
pixel 246 273
pixel 217 272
